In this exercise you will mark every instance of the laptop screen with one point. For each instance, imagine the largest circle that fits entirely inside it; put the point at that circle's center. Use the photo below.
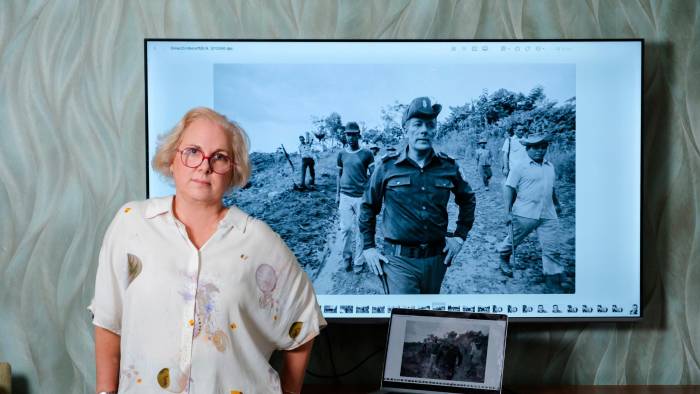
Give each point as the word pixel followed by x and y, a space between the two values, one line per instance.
pixel 445 351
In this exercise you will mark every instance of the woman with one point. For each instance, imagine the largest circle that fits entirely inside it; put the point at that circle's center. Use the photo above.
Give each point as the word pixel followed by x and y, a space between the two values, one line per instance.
pixel 191 297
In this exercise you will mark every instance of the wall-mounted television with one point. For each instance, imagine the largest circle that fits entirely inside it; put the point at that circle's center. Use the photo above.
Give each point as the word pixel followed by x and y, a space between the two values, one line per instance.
pixel 584 95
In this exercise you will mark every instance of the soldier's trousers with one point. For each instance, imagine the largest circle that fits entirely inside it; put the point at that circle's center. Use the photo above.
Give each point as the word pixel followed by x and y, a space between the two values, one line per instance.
pixel 349 210
pixel 406 275
pixel 307 162
pixel 548 235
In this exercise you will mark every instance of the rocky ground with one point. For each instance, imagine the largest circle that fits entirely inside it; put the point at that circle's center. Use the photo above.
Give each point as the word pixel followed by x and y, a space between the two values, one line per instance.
pixel 304 219
pixel 308 222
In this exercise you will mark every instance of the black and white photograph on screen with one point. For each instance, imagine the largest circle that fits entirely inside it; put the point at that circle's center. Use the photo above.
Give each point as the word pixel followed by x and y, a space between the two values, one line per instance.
pixel 446 352
pixel 330 309
pixel 322 134
pixel 379 309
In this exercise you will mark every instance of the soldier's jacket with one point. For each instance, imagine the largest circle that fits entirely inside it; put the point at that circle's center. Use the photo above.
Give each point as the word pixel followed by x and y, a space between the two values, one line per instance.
pixel 448 356
pixel 415 200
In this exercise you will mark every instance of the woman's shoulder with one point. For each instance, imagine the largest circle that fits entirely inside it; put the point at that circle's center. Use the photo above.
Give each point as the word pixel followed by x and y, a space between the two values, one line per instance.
pixel 140 209
pixel 249 224
pixel 255 228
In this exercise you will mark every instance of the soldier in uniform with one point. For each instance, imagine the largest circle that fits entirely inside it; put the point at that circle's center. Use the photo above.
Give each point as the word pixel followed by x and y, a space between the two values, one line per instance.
pixel 353 169
pixel 447 358
pixel 532 205
pixel 483 162
pixel 414 185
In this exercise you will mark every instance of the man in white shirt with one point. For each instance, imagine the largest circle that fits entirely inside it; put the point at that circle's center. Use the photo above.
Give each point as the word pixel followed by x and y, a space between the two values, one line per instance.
pixel 532 205
pixel 307 161
pixel 513 151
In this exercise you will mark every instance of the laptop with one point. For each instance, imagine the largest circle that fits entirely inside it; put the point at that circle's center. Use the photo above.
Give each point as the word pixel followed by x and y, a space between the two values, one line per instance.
pixel 434 352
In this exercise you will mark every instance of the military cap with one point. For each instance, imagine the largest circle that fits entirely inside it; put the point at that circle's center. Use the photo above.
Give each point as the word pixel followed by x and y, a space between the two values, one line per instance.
pixel 534 139
pixel 421 108
pixel 482 141
pixel 352 128
pixel 373 146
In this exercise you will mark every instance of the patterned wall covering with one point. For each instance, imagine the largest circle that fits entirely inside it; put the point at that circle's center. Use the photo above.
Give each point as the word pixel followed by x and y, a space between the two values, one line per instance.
pixel 72 150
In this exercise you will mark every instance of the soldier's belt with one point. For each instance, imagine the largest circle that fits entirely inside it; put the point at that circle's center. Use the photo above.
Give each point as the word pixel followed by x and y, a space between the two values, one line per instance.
pixel 413 251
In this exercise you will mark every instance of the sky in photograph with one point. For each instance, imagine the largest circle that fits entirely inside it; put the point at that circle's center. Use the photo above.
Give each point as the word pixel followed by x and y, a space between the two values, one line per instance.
pixel 275 103
pixel 416 331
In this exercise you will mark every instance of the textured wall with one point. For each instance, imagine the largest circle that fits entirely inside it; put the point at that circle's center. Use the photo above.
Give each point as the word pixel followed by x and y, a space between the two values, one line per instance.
pixel 72 150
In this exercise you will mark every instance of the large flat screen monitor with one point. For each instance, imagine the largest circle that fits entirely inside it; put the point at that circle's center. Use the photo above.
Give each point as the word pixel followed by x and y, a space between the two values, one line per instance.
pixel 576 212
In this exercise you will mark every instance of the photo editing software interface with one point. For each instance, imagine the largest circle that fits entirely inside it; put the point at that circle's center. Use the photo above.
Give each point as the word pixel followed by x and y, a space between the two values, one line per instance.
pixel 570 247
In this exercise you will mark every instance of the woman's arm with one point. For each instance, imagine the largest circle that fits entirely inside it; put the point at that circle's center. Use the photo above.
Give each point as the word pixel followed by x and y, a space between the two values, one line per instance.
pixel 107 356
pixel 294 364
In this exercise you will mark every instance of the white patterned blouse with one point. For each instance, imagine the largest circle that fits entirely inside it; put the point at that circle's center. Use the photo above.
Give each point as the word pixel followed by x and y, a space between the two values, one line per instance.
pixel 200 321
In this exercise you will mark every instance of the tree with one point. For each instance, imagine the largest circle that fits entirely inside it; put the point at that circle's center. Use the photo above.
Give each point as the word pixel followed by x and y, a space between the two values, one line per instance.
pixel 328 126
pixel 392 130
pixel 535 97
pixel 333 125
pixel 371 136
pixel 457 120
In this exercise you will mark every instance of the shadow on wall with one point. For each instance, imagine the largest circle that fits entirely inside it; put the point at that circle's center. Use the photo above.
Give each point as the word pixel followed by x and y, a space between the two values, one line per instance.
pixel 20 385
pixel 346 353
pixel 657 163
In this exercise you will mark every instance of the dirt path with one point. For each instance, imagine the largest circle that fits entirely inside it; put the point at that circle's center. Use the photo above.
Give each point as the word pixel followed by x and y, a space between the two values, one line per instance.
pixel 333 279
pixel 475 270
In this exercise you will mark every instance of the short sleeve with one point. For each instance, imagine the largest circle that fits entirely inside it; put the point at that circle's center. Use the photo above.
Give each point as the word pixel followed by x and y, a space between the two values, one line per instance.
pixel 111 278
pixel 505 146
pixel 514 177
pixel 300 315
pixel 369 158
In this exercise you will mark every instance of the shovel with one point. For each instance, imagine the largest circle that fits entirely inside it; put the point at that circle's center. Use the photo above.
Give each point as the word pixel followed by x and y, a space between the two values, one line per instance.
pixel 512 246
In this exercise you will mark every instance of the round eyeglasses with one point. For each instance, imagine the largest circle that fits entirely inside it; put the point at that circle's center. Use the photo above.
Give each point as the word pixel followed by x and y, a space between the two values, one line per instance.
pixel 193 157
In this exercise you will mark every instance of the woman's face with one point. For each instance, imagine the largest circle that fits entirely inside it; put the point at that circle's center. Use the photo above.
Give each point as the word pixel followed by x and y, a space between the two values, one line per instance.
pixel 202 184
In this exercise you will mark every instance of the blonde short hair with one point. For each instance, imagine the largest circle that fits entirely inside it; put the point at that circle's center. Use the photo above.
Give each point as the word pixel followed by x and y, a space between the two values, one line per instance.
pixel 168 143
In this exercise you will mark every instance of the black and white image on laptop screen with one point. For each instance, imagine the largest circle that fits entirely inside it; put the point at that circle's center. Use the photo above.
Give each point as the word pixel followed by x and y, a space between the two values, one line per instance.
pixel 436 351
pixel 445 351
